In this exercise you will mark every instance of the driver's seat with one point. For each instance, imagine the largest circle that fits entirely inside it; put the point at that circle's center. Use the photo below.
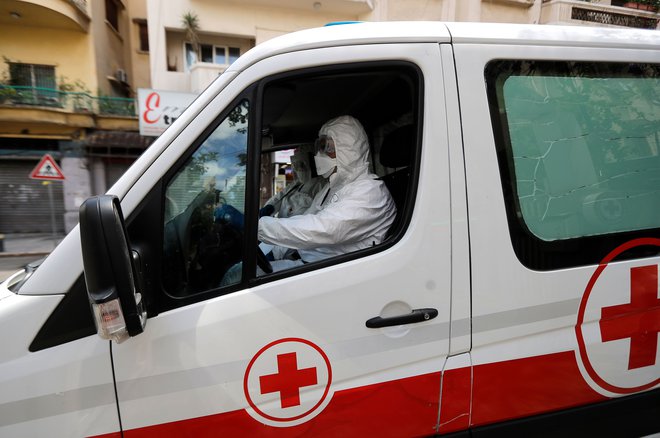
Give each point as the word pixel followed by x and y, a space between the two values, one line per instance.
pixel 396 153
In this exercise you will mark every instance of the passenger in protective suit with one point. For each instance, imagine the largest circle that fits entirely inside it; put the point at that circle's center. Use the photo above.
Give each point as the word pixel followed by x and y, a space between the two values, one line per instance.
pixel 297 197
pixel 353 212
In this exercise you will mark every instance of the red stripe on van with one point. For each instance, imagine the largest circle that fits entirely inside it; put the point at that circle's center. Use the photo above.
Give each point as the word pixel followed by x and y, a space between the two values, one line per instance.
pixel 534 385
pixel 409 407
pixel 455 407
pixel 400 408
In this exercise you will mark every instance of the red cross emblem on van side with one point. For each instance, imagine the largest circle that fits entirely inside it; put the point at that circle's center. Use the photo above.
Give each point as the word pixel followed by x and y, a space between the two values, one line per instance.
pixel 618 321
pixel 294 371
pixel 638 320
pixel 288 380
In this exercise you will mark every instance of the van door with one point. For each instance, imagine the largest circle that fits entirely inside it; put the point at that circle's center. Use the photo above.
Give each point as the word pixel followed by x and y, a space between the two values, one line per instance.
pixel 352 343
pixel 561 151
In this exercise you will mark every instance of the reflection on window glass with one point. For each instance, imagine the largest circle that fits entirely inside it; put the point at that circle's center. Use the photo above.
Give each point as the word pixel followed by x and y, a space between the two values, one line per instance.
pixel 585 146
pixel 204 206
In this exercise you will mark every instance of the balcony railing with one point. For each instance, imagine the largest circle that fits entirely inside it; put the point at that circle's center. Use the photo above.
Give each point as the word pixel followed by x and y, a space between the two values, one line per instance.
pixel 65 100
pixel 582 12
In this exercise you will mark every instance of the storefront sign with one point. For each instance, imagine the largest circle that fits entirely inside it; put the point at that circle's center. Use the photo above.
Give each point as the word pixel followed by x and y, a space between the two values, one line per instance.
pixel 159 109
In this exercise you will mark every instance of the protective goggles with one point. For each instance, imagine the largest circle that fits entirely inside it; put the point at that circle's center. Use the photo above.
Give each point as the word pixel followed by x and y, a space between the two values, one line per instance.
pixel 325 145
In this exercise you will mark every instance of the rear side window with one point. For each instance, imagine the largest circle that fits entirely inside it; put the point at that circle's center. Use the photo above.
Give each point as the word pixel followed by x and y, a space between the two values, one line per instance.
pixel 579 153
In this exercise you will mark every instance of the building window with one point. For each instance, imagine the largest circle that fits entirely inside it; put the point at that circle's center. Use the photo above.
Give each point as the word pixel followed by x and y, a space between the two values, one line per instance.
pixel 206 51
pixel 226 55
pixel 221 55
pixel 143 34
pixel 36 83
pixel 190 56
pixel 112 14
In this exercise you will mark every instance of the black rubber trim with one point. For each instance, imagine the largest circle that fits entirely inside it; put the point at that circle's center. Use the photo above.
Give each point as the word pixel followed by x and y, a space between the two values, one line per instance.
pixel 631 416
pixel 72 319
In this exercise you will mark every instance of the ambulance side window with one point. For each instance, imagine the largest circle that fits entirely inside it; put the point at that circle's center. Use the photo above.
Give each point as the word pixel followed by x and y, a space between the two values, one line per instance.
pixel 213 201
pixel 579 150
pixel 304 221
pixel 204 207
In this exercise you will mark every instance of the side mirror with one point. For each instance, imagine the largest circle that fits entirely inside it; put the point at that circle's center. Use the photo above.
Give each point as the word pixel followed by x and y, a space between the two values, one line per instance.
pixel 110 275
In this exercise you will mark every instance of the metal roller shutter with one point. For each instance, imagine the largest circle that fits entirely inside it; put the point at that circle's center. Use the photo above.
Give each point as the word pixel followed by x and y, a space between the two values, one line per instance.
pixel 24 204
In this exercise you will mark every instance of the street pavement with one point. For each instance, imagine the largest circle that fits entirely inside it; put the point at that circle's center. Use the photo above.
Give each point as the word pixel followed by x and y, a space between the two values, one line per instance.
pixel 17 250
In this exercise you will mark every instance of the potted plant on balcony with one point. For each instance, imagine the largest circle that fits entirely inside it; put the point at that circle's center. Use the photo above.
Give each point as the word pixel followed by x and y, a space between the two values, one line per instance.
pixel 6 93
pixel 643 5
pixel 190 23
pixel 75 92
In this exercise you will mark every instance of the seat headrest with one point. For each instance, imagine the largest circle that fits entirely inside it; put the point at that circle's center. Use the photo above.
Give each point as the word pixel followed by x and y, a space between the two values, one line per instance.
pixel 397 147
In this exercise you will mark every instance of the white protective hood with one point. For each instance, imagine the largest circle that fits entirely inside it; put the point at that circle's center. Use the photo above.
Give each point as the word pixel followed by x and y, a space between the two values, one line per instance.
pixel 351 147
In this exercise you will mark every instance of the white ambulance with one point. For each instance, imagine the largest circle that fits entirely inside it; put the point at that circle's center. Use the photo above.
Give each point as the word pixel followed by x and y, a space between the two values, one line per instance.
pixel 516 291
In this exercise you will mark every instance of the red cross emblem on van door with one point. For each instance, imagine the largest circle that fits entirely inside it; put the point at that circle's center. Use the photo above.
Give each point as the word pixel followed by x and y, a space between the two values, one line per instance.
pixel 287 382
pixel 618 322
pixel 638 320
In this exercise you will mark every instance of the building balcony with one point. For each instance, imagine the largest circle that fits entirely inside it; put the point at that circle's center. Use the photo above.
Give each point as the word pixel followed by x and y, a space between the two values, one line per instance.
pixel 593 14
pixel 74 102
pixel 44 112
pixel 62 14
pixel 518 3
pixel 349 7
pixel 203 73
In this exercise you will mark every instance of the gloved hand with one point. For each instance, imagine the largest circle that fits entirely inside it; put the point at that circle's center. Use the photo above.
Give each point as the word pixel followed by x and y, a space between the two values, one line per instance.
pixel 266 210
pixel 229 215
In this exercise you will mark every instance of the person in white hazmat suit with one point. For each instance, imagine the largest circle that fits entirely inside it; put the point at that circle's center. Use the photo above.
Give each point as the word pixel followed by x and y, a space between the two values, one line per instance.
pixel 354 212
pixel 297 197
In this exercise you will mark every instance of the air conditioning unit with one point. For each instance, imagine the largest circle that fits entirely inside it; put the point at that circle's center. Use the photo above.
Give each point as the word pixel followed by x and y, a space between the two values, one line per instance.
pixel 121 75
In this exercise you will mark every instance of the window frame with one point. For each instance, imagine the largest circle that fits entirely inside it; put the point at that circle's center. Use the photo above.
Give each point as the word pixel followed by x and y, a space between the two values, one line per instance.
pixel 216 50
pixel 143 34
pixel 159 298
pixel 165 299
pixel 417 107
pixel 112 14
pixel 532 251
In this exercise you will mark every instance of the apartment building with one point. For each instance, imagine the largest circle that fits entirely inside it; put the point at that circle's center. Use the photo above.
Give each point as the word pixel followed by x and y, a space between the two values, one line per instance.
pixel 67 86
pixel 70 71
pixel 227 28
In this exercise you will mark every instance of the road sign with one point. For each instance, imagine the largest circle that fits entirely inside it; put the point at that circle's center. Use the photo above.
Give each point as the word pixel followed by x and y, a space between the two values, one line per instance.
pixel 47 169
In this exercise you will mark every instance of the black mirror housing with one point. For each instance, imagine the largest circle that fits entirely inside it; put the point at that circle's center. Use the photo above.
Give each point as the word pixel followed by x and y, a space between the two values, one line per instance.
pixel 109 272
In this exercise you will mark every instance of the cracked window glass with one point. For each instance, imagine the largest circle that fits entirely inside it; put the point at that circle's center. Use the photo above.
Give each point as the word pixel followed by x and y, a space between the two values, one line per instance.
pixel 584 143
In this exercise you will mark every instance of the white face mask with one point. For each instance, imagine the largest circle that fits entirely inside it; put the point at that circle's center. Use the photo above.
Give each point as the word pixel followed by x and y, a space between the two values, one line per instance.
pixel 324 164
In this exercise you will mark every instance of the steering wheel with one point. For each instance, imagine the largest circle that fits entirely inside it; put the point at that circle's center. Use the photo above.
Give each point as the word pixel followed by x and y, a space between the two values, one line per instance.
pixel 263 262
pixel 233 218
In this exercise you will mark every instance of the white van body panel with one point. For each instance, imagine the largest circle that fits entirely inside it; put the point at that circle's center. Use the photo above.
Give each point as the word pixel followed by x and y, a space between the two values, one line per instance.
pixel 58 392
pixel 577 37
pixel 460 242
pixel 560 292
pixel 520 316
